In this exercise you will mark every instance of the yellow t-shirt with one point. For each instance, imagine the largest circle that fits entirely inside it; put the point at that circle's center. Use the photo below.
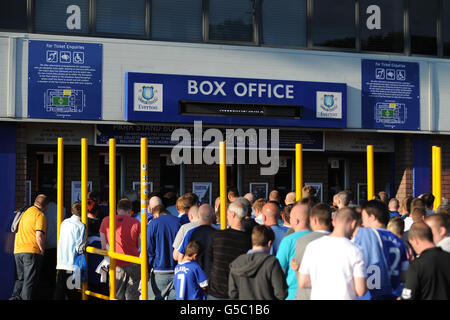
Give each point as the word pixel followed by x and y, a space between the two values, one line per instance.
pixel 32 220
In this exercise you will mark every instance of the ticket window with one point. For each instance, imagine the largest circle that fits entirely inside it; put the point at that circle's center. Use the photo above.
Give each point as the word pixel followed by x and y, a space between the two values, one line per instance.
pixel 46 173
pixel 337 180
pixel 169 175
pixel 104 177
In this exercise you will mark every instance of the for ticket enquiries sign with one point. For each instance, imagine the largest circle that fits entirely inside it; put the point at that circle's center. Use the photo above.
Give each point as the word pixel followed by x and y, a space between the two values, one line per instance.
pixel 390 97
pixel 64 80
pixel 234 101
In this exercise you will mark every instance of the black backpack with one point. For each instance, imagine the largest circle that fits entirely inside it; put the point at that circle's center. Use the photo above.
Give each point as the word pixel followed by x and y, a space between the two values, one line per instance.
pixel 17 216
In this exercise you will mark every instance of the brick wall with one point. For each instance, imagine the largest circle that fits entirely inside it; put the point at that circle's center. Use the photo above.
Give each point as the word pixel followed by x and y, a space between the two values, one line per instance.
pixel 21 165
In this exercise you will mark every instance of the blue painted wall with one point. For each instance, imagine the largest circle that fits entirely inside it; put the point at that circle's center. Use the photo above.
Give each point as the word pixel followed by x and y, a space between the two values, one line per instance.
pixel 421 165
pixel 7 201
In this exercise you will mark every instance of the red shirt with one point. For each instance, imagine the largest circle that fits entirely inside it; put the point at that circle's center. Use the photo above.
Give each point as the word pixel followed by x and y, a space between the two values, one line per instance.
pixel 128 233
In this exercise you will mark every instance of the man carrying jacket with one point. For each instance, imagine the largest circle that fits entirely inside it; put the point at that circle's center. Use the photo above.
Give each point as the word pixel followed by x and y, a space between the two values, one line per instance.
pixel 257 275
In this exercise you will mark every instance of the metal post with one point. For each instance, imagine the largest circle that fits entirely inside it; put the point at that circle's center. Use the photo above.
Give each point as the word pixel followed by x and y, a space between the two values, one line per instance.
pixel 433 171
pixel 84 186
pixel 112 218
pixel 144 199
pixel 60 186
pixel 223 184
pixel 298 171
pixel 438 197
pixel 370 174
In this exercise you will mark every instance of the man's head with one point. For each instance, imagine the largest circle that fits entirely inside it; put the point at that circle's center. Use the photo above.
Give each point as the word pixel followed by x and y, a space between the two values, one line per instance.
pixel 290 198
pixel 250 197
pixel 420 237
pixel 394 204
pixel 41 202
pixel 158 211
pixel 124 207
pixel 192 198
pixel 193 213
pixel 443 209
pixel 153 202
pixel 406 205
pixel 418 214
pixel 375 214
pixel 439 225
pixel 309 201
pixel 217 204
pixel 184 203
pixel 396 225
pixel 274 195
pixel 270 213
pixel 299 217
pixel 384 197
pixel 247 205
pixel 76 208
pixel 428 198
pixel 232 194
pixel 206 214
pixel 308 191
pixel 286 214
pixel 320 217
pixel 345 221
pixel 342 199
pixel 417 203
pixel 193 249
pixel 258 206
pixel 262 236
pixel 235 213
pixel 169 199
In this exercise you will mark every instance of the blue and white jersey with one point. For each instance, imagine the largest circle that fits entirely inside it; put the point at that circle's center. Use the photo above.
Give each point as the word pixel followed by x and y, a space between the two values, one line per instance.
pixel 385 257
pixel 188 280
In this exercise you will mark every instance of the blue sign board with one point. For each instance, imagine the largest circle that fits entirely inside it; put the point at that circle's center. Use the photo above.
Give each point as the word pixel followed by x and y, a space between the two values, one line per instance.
pixel 390 97
pixel 65 80
pixel 160 136
pixel 234 101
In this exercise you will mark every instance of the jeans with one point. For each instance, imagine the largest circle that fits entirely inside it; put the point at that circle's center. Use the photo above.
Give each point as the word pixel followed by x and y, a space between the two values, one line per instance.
pixel 127 282
pixel 28 267
pixel 160 286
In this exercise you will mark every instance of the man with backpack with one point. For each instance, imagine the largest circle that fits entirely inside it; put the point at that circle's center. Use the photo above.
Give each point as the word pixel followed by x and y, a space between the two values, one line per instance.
pixel 29 247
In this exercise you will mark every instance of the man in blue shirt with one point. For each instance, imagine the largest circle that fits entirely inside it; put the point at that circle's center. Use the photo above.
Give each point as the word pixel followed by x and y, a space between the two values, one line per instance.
pixel 384 253
pixel 161 233
pixel 394 205
pixel 299 220
pixel 270 213
pixel 190 281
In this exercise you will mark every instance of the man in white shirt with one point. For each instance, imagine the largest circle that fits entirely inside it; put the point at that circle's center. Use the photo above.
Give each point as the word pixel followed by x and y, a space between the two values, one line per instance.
pixel 439 225
pixel 332 266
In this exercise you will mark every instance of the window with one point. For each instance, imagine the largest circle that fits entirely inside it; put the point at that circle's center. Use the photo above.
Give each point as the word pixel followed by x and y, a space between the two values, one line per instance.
pixel 446 28
pixel 423 26
pixel 231 20
pixel 381 25
pixel 13 14
pixel 121 17
pixel 61 16
pixel 176 19
pixel 333 23
pixel 284 22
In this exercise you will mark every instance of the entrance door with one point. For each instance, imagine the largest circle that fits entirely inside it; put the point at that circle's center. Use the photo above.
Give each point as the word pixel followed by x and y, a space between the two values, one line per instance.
pixel 283 179
pixel 46 171
pixel 104 177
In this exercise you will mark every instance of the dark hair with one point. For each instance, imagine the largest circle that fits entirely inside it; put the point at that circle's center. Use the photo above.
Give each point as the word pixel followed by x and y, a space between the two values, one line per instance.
pixel 322 212
pixel 397 224
pixel 377 209
pixel 233 192
pixel 309 201
pixel 286 212
pixel 384 197
pixel 124 204
pixel 261 235
pixel 429 199
pixel 76 208
pixel 193 247
pixel 169 198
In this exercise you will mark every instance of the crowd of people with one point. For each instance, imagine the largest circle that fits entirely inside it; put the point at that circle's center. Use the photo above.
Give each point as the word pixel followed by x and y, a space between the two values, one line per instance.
pixel 270 249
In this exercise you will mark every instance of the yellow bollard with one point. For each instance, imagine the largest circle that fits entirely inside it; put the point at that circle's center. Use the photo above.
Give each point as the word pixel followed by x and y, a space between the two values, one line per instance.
pixel 112 218
pixel 433 170
pixel 298 171
pixel 438 170
pixel 60 186
pixel 144 199
pixel 223 184
pixel 370 174
pixel 84 185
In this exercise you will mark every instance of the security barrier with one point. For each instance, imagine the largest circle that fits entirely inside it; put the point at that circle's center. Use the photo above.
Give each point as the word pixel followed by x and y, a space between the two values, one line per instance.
pixel 112 254
pixel 370 174
pixel 298 171
pixel 436 175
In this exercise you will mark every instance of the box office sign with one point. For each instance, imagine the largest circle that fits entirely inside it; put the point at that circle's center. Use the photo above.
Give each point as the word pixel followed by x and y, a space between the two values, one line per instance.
pixel 237 101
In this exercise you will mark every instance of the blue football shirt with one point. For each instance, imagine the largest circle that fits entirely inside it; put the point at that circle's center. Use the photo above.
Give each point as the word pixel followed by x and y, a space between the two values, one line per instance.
pixel 385 257
pixel 188 280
